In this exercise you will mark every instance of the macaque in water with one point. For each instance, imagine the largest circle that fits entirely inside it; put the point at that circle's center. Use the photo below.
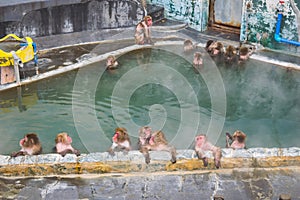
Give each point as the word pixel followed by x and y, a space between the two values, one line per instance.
pixel 214 48
pixel 202 145
pixel 120 141
pixel 245 53
pixel 142 31
pixel 218 49
pixel 188 45
pixel 111 62
pixel 197 61
pixel 154 141
pixel 209 45
pixel 230 54
pixel 64 145
pixel 238 140
pixel 30 145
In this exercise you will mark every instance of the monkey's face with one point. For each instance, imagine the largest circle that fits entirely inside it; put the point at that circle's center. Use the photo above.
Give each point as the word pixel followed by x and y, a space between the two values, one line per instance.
pixel 29 140
pixel 110 61
pixel 23 140
pixel 120 135
pixel 149 22
pixel 147 132
pixel 239 136
pixel 200 139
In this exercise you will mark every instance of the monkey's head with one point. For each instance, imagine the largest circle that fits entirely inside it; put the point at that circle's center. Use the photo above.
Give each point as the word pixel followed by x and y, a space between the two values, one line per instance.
pixel 244 51
pixel 219 46
pixel 188 45
pixel 148 20
pixel 145 132
pixel 239 136
pixel 157 137
pixel 120 135
pixel 29 140
pixel 110 61
pixel 63 138
pixel 208 43
pixel 230 51
pixel 200 139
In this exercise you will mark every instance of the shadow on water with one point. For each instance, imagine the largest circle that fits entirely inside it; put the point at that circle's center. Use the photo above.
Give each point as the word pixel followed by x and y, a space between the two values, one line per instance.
pixel 262 101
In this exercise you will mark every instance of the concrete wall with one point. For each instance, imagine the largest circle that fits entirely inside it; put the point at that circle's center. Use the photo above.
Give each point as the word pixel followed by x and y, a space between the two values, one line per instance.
pixel 259 23
pixel 194 13
pixel 56 17
pixel 49 17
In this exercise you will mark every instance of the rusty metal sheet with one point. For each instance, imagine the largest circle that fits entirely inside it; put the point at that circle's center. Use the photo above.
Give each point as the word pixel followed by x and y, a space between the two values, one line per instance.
pixel 228 12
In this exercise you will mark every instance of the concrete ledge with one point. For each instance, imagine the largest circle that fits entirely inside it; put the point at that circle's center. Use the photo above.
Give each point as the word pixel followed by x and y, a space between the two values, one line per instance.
pixel 54 164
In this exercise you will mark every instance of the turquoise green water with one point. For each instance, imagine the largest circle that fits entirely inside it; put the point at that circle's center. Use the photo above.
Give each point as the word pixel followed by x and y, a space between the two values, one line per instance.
pixel 161 89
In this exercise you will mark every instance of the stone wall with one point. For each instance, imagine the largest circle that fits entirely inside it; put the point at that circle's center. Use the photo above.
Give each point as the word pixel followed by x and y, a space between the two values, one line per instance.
pixel 95 163
pixel 43 19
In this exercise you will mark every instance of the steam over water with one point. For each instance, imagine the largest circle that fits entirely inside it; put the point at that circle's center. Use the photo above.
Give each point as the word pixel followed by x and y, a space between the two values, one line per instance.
pixel 160 89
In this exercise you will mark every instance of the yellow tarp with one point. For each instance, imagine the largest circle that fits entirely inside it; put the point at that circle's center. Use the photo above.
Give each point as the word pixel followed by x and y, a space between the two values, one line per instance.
pixel 25 53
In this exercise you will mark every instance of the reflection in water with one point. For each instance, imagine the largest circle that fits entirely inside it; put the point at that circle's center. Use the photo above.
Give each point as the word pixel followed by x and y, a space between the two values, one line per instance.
pixel 262 101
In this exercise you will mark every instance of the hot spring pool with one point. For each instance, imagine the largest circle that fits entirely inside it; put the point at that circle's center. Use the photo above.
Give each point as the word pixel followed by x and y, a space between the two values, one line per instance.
pixel 160 88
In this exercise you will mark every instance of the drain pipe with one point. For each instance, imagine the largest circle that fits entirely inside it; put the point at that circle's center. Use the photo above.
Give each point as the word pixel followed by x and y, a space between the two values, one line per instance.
pixel 278 24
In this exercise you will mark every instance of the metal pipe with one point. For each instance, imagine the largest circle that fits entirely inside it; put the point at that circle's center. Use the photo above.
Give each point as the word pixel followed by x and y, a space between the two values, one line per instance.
pixel 17 63
pixel 277 33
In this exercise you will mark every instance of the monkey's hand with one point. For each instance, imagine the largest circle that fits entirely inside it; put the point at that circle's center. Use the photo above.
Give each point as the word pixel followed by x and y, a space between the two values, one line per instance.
pixel 149 41
pixel 205 161
pixel 228 136
pixel 217 163
pixel 147 159
pixel 63 153
pixel 19 153
pixel 111 152
pixel 76 152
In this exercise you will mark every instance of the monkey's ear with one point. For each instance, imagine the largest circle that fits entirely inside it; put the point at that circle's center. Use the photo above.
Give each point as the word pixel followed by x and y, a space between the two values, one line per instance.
pixel 58 139
pixel 32 141
pixel 125 131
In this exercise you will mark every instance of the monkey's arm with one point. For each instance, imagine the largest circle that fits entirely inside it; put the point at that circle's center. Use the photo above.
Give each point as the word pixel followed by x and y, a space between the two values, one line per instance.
pixel 64 152
pixel 19 153
pixel 228 137
pixel 76 152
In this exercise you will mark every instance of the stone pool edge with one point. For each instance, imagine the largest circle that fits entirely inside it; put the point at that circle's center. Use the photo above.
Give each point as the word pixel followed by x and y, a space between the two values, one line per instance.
pixel 103 163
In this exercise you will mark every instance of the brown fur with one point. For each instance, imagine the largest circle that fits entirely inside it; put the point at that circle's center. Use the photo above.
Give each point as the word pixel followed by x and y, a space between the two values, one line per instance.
pixel 63 144
pixel 215 48
pixel 142 31
pixel 154 141
pixel 30 145
pixel 111 62
pixel 202 145
pixel 238 140
pixel 120 141
pixel 198 61
pixel 188 45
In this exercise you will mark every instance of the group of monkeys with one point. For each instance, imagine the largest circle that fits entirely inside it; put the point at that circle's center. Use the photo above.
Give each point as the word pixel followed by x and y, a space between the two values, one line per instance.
pixel 31 145
pixel 148 141
pixel 219 53
pixel 216 49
